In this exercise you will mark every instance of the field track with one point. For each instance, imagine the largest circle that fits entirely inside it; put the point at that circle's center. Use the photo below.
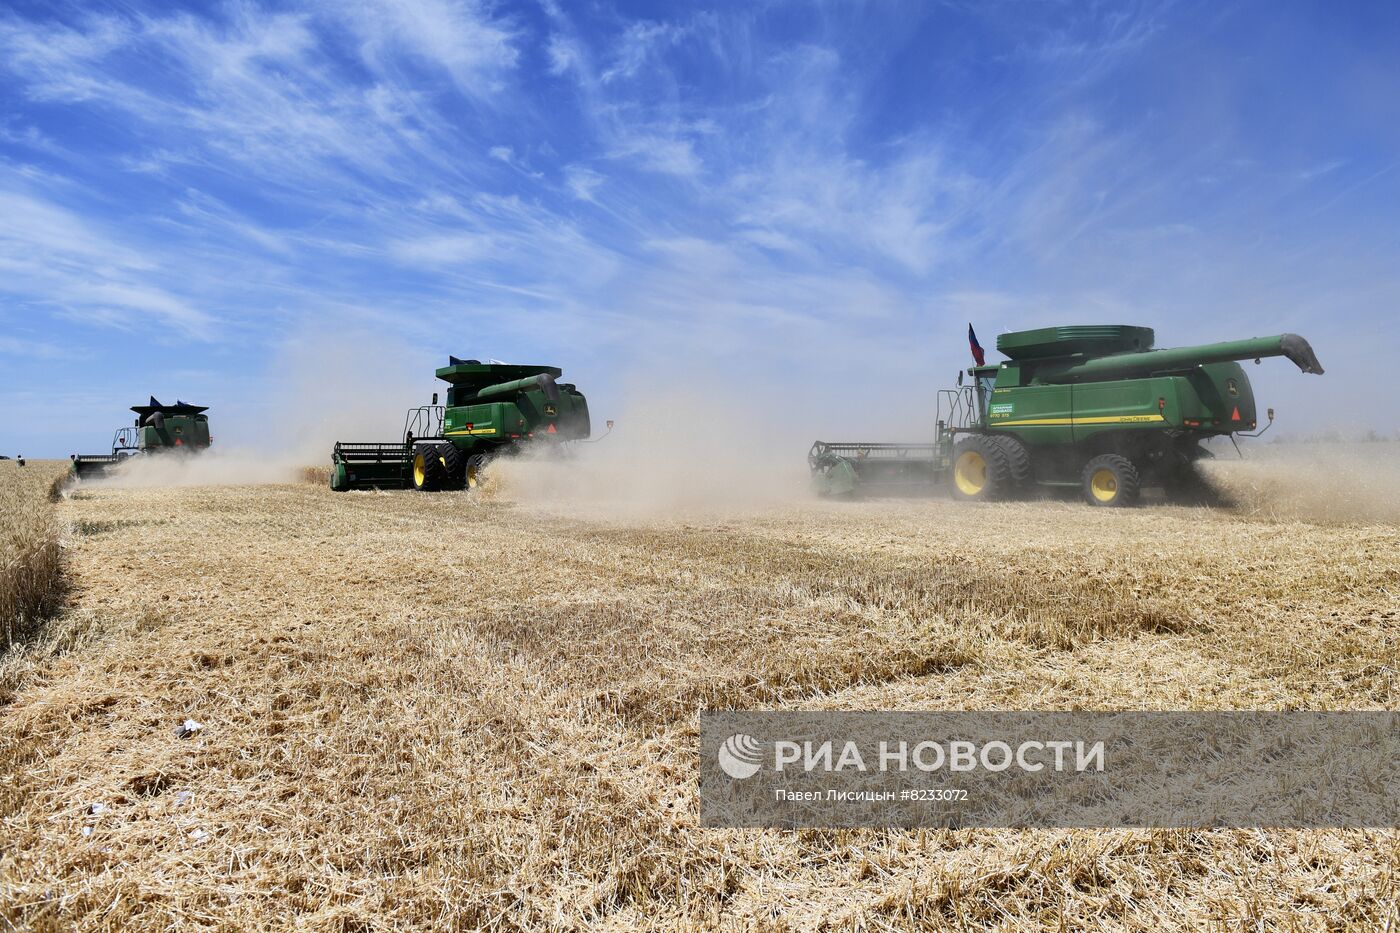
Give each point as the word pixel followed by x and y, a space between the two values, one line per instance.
pixel 457 711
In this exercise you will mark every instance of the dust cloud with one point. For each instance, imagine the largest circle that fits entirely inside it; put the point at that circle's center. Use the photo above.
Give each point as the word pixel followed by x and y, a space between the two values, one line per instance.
pixel 668 453
pixel 1315 482
pixel 353 386
pixel 214 467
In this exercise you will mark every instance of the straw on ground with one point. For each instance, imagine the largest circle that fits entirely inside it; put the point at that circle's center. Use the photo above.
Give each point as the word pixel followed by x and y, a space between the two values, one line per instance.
pixel 457 710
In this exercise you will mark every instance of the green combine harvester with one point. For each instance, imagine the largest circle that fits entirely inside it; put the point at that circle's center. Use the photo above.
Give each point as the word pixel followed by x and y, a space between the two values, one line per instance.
pixel 1087 406
pixel 159 429
pixel 492 409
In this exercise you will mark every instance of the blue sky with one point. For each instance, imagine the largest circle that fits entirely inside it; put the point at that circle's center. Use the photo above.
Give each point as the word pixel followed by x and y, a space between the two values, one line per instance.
pixel 806 202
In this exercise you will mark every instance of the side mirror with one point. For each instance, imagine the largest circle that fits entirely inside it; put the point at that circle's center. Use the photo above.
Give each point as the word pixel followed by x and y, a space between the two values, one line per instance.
pixel 960 375
pixel 434 398
pixel 610 425
pixel 1271 414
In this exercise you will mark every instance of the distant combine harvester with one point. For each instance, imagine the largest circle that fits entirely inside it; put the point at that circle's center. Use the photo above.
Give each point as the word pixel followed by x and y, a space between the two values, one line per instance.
pixel 159 429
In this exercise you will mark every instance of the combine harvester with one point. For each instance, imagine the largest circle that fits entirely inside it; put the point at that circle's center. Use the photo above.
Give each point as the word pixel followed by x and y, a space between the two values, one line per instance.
pixel 159 429
pixel 492 409
pixel 1087 406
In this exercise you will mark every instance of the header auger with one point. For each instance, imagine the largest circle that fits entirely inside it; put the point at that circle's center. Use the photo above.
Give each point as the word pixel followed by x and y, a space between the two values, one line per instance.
pixel 1087 406
pixel 492 409
pixel 159 428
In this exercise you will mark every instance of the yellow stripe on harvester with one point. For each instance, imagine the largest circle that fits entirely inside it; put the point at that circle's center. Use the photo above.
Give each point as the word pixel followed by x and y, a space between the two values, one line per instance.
pixel 475 431
pixel 1113 419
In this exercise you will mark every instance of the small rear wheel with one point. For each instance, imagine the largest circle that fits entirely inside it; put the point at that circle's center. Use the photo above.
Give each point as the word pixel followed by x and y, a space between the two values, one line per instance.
pixel 1110 481
pixel 472 472
pixel 428 471
pixel 981 472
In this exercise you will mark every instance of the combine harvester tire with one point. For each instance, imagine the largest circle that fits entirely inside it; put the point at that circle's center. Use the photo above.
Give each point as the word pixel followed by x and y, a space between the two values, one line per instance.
pixel 475 468
pixel 454 465
pixel 1111 481
pixel 429 468
pixel 1018 460
pixel 982 470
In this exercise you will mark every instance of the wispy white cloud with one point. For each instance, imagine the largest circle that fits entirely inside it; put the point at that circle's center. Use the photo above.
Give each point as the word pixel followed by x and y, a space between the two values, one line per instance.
pixel 582 182
pixel 138 300
pixel 639 42
pixel 51 256
pixel 1321 169
pixel 565 54
pixel 658 152
pixel 34 349
pixel 451 249
pixel 477 49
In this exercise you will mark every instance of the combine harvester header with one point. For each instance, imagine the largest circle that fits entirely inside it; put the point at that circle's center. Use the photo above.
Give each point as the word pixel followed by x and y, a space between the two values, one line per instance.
pixel 1092 406
pixel 492 409
pixel 159 428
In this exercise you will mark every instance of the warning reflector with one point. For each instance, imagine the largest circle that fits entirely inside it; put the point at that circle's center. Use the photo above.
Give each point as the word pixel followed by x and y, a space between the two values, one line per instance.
pixel 550 429
pixel 1236 415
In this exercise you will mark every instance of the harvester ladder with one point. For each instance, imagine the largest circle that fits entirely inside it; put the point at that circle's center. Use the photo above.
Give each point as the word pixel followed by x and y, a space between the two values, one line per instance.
pixel 957 408
pixel 125 439
pixel 422 422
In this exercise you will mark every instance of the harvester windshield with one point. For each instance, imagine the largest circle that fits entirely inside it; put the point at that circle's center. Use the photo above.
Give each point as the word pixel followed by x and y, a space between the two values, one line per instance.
pixel 985 382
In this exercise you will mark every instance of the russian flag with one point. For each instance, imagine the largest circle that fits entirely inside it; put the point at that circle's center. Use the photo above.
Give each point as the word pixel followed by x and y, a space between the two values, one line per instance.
pixel 978 353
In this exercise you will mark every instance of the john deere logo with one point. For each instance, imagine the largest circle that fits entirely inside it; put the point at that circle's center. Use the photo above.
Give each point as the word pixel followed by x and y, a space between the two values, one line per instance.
pixel 1232 387
pixel 549 410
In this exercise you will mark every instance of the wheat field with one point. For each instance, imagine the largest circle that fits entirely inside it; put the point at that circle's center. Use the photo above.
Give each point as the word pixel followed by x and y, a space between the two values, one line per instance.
pixel 466 710
pixel 31 580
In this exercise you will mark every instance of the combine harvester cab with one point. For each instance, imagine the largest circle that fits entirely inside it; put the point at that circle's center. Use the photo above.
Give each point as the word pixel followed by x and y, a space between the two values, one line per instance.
pixel 178 428
pixel 1089 406
pixel 492 409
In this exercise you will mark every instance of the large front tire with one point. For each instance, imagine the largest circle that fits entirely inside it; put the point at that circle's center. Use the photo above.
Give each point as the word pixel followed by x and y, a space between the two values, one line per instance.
pixel 981 471
pixel 428 471
pixel 1110 481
